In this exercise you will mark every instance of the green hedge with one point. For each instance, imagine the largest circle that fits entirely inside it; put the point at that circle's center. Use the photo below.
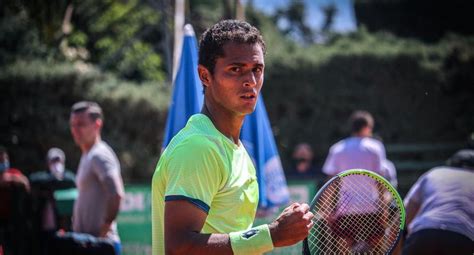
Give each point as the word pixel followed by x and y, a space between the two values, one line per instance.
pixel 36 97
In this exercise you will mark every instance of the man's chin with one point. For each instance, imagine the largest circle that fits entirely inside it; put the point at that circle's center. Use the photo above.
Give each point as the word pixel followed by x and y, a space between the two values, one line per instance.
pixel 248 111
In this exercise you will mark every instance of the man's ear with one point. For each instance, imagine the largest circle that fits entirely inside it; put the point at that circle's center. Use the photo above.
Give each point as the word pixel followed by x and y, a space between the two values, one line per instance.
pixel 99 123
pixel 204 75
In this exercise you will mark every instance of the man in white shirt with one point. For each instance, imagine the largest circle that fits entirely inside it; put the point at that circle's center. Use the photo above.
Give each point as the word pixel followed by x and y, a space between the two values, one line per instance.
pixel 359 151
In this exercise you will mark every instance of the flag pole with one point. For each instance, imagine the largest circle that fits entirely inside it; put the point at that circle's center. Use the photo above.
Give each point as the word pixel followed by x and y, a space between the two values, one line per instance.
pixel 178 34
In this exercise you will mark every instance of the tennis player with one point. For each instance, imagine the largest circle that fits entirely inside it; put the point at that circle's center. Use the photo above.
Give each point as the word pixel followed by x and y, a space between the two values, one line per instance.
pixel 204 189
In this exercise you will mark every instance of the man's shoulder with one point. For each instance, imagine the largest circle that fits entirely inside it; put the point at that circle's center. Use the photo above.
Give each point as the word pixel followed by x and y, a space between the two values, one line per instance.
pixel 374 146
pixel 102 151
pixel 338 146
pixel 373 143
pixel 192 144
pixel 14 171
pixel 100 147
pixel 441 171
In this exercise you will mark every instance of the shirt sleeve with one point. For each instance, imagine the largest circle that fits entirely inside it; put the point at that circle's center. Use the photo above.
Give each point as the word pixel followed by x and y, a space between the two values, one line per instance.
pixel 382 151
pixel 415 193
pixel 195 172
pixel 107 169
pixel 329 167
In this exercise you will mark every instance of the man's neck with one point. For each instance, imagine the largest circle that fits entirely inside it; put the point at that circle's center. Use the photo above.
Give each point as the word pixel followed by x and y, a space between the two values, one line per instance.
pixel 229 125
pixel 362 134
pixel 85 148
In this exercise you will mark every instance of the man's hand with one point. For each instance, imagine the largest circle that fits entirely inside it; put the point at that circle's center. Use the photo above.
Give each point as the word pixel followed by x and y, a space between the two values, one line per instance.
pixel 292 225
pixel 104 229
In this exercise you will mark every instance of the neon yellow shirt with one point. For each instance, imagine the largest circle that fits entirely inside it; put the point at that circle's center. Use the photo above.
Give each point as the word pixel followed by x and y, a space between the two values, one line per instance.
pixel 206 168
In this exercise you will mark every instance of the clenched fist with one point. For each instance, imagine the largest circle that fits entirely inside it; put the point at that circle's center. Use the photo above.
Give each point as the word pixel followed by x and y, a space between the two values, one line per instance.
pixel 292 225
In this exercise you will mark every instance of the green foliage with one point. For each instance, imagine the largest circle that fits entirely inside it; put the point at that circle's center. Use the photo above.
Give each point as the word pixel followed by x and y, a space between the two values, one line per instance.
pixel 19 39
pixel 46 18
pixel 78 39
pixel 118 36
pixel 293 18
pixel 123 37
pixel 200 15
pixel 36 97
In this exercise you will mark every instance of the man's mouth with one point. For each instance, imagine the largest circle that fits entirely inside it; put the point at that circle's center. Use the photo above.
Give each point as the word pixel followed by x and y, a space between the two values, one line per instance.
pixel 248 96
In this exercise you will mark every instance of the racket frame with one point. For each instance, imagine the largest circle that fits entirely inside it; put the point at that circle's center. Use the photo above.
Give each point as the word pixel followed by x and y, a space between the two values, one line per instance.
pixel 379 179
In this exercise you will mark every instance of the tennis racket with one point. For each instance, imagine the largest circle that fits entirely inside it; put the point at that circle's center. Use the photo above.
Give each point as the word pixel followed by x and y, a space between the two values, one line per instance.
pixel 356 212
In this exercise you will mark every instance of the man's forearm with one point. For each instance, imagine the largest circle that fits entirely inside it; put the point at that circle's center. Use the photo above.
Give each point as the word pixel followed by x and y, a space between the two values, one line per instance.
pixel 197 243
pixel 113 195
pixel 113 207
pixel 256 240
pixel 411 209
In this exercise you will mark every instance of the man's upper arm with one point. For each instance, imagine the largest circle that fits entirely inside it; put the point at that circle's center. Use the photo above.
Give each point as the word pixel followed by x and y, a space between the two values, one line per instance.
pixel 107 170
pixel 182 217
pixel 413 200
pixel 415 193
pixel 183 223
pixel 329 167
pixel 194 176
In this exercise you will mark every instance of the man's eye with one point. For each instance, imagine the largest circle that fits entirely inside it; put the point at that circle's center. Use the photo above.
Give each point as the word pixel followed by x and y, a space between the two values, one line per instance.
pixel 236 69
pixel 258 70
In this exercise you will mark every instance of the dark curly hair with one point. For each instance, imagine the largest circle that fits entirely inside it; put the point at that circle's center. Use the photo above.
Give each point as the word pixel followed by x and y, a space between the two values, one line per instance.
pixel 214 38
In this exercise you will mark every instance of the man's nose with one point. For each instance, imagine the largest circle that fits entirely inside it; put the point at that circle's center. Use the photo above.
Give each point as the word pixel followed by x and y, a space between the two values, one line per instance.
pixel 250 80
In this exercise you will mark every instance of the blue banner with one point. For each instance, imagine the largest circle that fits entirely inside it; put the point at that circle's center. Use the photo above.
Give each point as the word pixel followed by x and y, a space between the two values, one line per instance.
pixel 257 137
pixel 187 95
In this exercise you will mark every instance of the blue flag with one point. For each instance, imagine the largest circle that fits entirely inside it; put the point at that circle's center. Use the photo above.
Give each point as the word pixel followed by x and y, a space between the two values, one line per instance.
pixel 256 134
pixel 257 137
pixel 187 95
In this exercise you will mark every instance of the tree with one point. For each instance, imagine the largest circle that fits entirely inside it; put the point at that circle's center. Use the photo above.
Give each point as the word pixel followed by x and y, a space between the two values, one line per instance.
pixel 122 36
pixel 291 21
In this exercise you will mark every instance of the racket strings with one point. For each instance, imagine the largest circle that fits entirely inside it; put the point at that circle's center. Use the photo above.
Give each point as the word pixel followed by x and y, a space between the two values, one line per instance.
pixel 350 219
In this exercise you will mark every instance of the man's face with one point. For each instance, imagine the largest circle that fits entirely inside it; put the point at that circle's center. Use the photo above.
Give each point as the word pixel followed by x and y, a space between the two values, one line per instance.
pixel 84 130
pixel 367 131
pixel 234 86
pixel 4 162
pixel 3 157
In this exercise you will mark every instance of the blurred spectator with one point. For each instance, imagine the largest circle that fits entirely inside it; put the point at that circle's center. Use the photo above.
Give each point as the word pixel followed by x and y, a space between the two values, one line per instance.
pixel 303 165
pixel 360 150
pixel 11 176
pixel 14 190
pixel 99 180
pixel 440 209
pixel 57 163
pixel 44 184
pixel 302 161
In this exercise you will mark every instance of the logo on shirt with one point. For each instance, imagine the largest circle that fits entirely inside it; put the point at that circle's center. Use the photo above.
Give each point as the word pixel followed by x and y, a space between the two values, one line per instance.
pixel 250 233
